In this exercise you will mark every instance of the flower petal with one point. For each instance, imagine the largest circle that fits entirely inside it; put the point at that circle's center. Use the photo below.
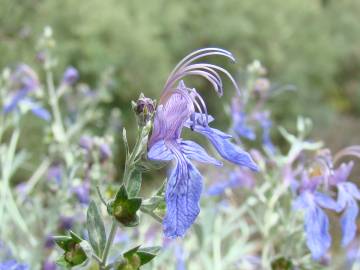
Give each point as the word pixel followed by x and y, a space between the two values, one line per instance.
pixel 41 113
pixel 159 151
pixel 194 151
pixel 182 197
pixel 14 101
pixel 352 189
pixel 326 201
pixel 318 238
pixel 226 149
pixel 348 222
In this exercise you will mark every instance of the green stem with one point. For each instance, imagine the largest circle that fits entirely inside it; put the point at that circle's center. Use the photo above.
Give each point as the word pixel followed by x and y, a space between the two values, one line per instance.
pixel 152 214
pixel 109 242
pixel 55 106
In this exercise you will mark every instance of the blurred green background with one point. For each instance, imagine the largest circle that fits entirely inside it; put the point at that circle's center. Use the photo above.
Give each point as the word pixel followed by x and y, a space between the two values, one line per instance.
pixel 312 44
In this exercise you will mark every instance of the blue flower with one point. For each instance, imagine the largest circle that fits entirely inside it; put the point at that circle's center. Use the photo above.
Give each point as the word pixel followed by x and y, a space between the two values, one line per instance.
pixel 240 125
pixel 177 109
pixel 312 202
pixel 71 75
pixel 266 124
pixel 237 178
pixel 348 194
pixel 13 265
pixel 23 81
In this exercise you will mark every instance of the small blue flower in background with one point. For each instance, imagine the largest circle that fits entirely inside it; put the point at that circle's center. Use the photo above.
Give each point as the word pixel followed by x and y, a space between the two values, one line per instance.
pixel 23 81
pixel 348 194
pixel 238 178
pixel 48 265
pixel 240 125
pixel 66 223
pixel 312 202
pixel 177 109
pixel 13 265
pixel 266 124
pixel 82 192
pixel 55 173
pixel 71 75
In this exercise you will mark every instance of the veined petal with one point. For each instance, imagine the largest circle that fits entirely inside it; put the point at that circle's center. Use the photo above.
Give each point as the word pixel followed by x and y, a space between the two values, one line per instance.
pixel 182 197
pixel 194 151
pixel 348 222
pixel 318 237
pixel 226 149
pixel 159 151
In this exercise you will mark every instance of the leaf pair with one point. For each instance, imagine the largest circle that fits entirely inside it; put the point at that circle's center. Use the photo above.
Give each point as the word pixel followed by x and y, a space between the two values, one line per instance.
pixel 124 209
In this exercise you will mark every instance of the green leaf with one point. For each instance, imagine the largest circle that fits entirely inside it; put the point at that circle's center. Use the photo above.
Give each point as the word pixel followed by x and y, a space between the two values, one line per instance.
pixel 62 262
pixel 96 229
pixel 134 185
pixel 62 241
pixel 147 254
pixel 124 209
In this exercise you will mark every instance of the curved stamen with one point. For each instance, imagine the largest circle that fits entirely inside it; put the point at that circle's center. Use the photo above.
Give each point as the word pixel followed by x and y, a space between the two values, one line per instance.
pixel 193 91
pixel 204 74
pixel 201 67
pixel 348 151
pixel 193 54
pixel 227 74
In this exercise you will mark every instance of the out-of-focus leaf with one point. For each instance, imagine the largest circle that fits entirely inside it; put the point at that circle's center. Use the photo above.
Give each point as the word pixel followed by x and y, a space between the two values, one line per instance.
pixel 96 229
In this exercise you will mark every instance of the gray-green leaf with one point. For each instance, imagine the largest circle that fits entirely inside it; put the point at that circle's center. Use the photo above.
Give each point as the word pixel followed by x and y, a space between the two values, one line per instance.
pixel 96 229
pixel 134 185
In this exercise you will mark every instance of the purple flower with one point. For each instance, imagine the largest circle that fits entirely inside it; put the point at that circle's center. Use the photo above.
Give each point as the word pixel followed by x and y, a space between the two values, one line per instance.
pixel 348 194
pixel 265 123
pixel 71 75
pixel 105 151
pixel 240 125
pixel 237 178
pixel 82 192
pixel 66 223
pixel 177 109
pixel 86 142
pixel 49 242
pixel 23 81
pixel 55 173
pixel 48 265
pixel 312 202
pixel 13 265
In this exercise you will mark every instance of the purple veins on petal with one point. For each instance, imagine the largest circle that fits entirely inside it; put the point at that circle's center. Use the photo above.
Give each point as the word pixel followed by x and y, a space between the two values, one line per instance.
pixel 182 198
pixel 195 152
pixel 226 149
pixel 160 151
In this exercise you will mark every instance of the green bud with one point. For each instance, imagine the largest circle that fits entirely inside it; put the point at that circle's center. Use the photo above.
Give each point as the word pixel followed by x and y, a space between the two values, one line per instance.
pixel 124 209
pixel 73 252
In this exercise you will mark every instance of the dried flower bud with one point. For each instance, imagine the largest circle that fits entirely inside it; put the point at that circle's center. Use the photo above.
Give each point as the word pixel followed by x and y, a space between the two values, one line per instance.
pixel 144 108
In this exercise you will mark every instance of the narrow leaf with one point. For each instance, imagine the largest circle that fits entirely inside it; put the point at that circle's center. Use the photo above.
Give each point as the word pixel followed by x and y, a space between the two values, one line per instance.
pixel 96 229
pixel 135 183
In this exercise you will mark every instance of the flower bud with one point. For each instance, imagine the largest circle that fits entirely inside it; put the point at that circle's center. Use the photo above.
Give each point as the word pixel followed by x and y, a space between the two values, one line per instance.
pixel 71 75
pixel 144 108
